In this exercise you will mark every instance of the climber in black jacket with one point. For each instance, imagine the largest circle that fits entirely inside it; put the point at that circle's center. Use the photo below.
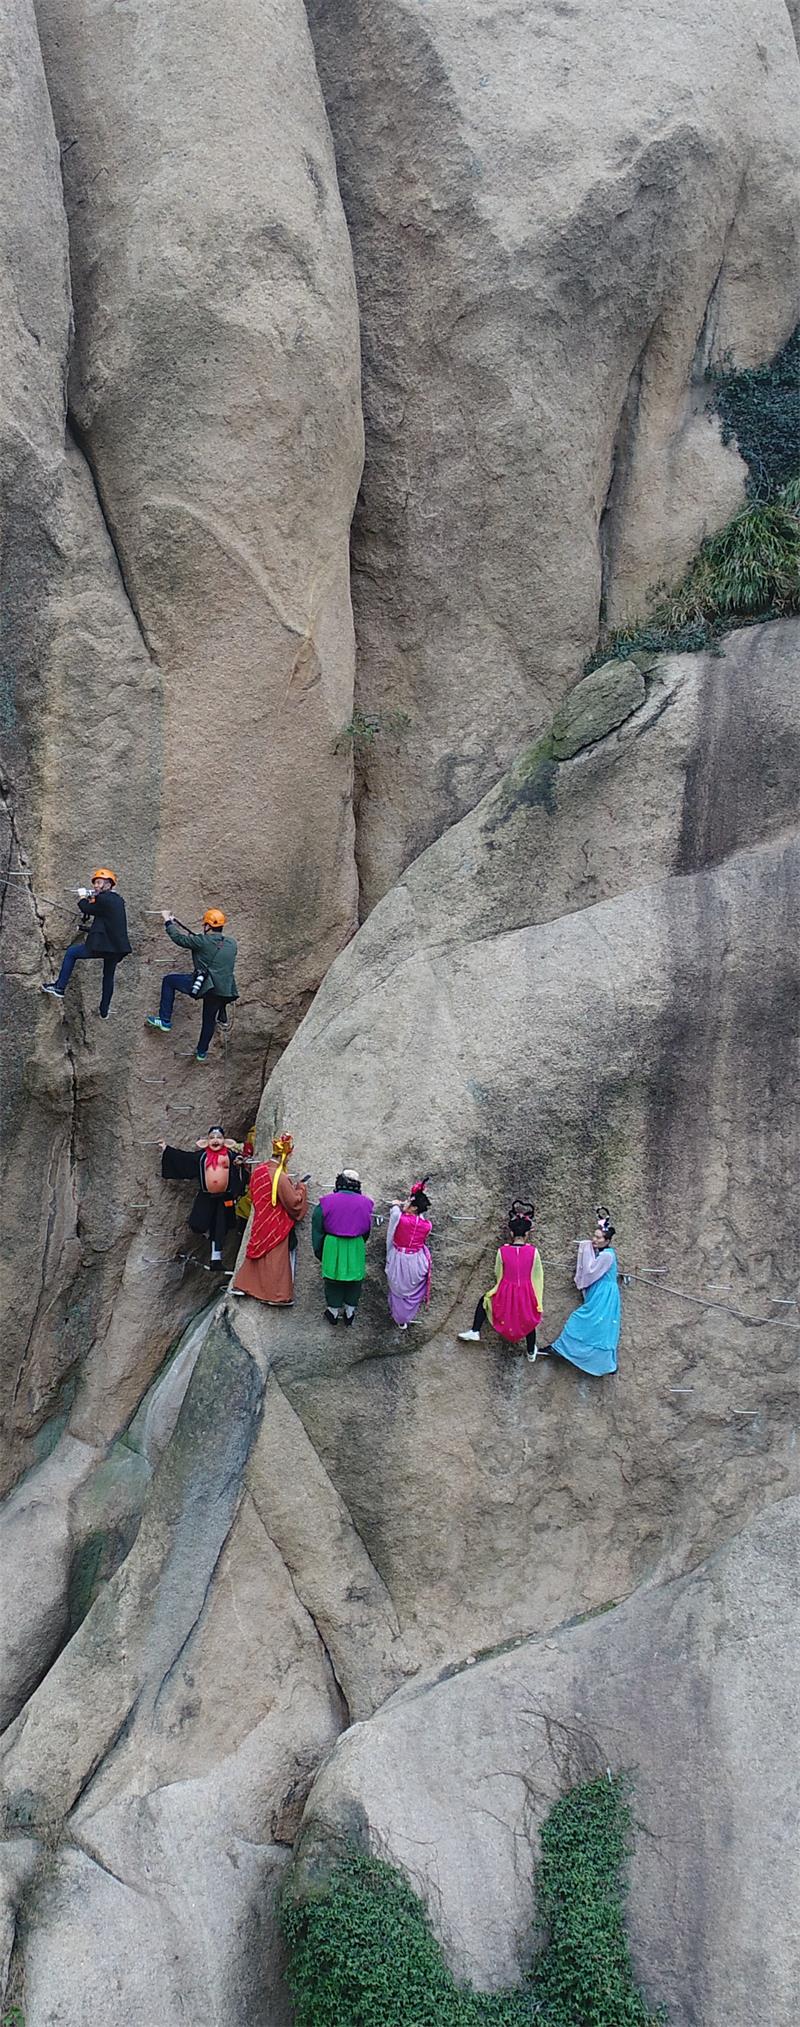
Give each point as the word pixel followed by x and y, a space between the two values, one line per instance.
pixel 107 924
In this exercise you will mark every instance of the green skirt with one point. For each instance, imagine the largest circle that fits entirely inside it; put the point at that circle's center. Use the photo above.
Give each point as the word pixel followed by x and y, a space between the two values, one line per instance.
pixel 343 1259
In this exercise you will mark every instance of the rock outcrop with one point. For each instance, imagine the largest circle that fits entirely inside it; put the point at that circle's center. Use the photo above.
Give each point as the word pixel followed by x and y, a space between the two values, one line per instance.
pixel 586 991
pixel 696 1687
pixel 178 622
pixel 329 1513
pixel 560 215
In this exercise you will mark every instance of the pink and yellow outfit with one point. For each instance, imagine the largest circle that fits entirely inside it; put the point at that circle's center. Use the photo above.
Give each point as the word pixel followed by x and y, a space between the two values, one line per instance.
pixel 514 1304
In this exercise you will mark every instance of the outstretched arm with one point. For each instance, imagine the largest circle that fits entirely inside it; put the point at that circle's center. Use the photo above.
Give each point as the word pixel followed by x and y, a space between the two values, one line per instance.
pixel 591 1265
pixel 184 937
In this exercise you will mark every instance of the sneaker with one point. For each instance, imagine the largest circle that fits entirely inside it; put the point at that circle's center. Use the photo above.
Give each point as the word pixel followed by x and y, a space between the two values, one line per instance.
pixel 469 1337
pixel 155 1021
pixel 52 991
pixel 531 1356
pixel 201 1058
pixel 349 1316
pixel 331 1315
pixel 222 1020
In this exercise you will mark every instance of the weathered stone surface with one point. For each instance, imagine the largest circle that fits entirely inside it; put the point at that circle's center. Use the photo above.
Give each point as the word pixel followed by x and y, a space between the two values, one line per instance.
pixel 215 387
pixel 558 215
pixel 35 1542
pixel 169 1751
pixel 177 616
pixel 597 705
pixel 696 1687
pixel 587 991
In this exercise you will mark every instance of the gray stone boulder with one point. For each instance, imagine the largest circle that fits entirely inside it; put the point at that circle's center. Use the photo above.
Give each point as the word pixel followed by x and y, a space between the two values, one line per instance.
pixel 695 1688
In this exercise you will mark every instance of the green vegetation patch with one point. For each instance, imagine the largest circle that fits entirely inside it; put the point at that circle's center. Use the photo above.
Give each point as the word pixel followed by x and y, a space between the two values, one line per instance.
pixel 362 1953
pixel 750 571
pixel 759 409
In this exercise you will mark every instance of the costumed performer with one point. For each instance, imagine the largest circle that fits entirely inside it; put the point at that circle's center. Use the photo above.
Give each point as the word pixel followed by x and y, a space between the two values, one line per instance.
pixel 267 1270
pixel 408 1260
pixel 514 1304
pixel 219 1178
pixel 590 1336
pixel 339 1228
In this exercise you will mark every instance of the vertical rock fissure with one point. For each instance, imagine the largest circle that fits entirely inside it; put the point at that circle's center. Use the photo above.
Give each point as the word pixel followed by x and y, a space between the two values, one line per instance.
pixel 81 441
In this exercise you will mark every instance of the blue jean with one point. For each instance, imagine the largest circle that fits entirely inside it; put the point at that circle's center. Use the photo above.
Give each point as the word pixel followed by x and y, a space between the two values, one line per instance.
pixel 109 964
pixel 182 981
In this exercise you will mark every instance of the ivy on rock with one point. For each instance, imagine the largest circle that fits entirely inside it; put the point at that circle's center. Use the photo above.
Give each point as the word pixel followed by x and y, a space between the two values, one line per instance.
pixel 362 1953
pixel 750 571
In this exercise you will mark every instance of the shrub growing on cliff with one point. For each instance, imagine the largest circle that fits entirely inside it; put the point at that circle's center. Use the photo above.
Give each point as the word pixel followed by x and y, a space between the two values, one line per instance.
pixel 751 570
pixel 362 1954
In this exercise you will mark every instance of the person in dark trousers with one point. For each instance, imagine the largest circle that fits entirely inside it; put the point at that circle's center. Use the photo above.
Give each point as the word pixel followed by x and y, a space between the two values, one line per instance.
pixel 105 919
pixel 514 1304
pixel 212 982
pixel 219 1175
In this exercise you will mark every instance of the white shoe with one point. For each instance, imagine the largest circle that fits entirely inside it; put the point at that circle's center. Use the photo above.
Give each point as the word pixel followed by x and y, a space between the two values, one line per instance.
pixel 469 1337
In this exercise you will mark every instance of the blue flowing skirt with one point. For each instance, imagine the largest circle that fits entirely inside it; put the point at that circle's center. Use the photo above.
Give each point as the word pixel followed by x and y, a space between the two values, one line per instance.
pixel 590 1335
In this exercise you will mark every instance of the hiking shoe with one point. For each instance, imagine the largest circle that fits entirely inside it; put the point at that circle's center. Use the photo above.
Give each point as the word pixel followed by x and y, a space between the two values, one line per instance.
pixel 329 1316
pixel 52 991
pixel 155 1021
pixel 469 1337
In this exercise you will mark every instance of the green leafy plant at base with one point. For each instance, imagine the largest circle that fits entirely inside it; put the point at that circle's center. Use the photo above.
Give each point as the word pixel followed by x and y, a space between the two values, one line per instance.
pixel 750 571
pixel 362 1954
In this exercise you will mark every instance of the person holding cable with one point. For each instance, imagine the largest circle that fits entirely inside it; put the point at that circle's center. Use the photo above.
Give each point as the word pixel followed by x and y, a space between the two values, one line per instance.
pixel 213 981
pixel 103 910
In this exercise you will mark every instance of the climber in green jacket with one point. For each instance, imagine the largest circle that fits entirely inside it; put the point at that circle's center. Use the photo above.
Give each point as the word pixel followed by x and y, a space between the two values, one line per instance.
pixel 213 980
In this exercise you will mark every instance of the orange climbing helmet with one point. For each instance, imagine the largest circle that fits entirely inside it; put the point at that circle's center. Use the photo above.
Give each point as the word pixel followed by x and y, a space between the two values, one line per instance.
pixel 104 873
pixel 213 919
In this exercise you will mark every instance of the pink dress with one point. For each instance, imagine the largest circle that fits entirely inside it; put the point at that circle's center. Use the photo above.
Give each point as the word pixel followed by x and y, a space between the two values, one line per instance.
pixel 408 1263
pixel 513 1306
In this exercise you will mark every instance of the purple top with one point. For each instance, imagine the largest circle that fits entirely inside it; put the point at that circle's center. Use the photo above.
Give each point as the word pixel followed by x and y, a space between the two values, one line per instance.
pixel 347 1215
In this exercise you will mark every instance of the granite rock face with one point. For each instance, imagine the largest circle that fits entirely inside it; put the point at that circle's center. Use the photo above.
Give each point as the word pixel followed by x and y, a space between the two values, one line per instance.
pixel 178 485
pixel 559 215
pixel 217 1561
pixel 585 992
pixel 695 1686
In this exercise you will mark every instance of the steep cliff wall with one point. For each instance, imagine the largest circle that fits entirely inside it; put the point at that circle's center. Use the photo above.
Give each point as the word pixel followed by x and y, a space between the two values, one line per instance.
pixel 559 215
pixel 178 629
pixel 587 988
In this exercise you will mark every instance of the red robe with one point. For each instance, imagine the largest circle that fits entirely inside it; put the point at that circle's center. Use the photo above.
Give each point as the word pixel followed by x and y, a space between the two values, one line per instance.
pixel 266 1270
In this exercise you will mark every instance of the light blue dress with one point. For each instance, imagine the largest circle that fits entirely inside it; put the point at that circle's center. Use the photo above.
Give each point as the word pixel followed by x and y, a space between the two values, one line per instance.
pixel 590 1335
